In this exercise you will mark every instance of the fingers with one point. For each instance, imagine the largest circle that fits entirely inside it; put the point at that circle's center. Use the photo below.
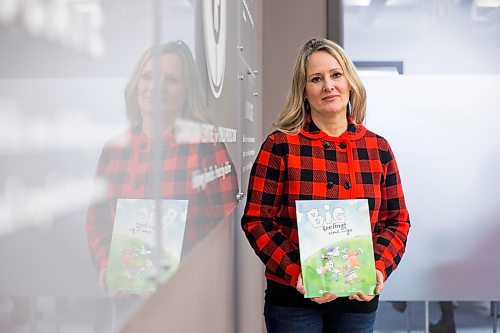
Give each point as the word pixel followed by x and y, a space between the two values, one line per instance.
pixel 331 298
pixel 380 282
pixel 328 297
pixel 146 294
pixel 103 285
pixel 300 287
pixel 102 279
pixel 117 294
pixel 361 297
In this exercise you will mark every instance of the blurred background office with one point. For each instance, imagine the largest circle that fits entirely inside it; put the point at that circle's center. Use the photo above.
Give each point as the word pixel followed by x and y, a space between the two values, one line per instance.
pixel 431 71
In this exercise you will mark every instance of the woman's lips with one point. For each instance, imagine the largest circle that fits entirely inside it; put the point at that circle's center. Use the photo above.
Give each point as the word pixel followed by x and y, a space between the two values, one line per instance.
pixel 330 97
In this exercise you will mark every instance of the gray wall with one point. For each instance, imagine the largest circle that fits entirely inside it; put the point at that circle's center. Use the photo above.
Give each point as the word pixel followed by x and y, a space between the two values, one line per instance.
pixel 285 31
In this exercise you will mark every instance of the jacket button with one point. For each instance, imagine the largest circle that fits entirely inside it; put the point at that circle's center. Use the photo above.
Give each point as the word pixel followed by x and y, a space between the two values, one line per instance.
pixel 326 145
pixel 347 185
pixel 329 184
pixel 343 145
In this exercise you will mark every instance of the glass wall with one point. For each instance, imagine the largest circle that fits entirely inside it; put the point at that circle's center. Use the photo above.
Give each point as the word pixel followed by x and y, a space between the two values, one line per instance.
pixel 431 72
pixel 120 150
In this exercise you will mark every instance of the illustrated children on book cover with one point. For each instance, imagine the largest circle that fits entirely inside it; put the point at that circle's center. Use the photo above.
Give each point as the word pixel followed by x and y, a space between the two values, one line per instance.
pixel 132 263
pixel 336 248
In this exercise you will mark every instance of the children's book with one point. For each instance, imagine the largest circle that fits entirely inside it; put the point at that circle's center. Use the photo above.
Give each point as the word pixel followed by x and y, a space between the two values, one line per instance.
pixel 336 248
pixel 132 262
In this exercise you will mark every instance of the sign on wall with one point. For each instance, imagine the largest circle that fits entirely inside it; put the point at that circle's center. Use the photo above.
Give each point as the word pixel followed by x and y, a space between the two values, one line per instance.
pixel 215 35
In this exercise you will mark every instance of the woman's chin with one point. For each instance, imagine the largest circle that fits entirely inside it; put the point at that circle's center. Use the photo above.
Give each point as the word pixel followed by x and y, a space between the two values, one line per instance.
pixel 169 113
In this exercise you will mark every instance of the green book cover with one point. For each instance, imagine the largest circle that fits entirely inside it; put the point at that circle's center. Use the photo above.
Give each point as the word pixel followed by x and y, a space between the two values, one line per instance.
pixel 132 262
pixel 336 248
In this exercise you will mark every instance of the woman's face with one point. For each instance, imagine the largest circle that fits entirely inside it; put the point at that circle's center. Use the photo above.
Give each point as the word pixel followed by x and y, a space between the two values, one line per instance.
pixel 173 86
pixel 327 88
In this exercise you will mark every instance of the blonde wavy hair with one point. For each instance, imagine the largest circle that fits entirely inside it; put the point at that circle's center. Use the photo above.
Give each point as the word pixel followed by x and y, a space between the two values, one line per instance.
pixel 292 116
pixel 195 108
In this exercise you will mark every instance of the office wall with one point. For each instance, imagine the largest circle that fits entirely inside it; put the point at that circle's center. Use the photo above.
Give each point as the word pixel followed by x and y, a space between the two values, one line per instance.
pixel 287 25
pixel 434 115
pixel 450 182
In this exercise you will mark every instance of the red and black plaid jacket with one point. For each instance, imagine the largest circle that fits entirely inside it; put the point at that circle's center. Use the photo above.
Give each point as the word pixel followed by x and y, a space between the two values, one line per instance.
pixel 126 168
pixel 314 166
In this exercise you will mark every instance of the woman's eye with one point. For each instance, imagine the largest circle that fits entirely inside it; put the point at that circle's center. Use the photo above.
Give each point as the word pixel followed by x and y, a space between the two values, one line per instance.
pixel 172 80
pixel 147 76
pixel 336 75
pixel 315 79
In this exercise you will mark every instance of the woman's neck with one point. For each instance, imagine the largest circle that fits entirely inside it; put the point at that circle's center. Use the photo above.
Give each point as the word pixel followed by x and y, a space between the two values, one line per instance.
pixel 148 126
pixel 333 125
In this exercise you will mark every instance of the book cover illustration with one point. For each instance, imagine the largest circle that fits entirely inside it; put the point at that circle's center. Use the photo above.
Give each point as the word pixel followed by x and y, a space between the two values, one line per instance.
pixel 131 262
pixel 336 248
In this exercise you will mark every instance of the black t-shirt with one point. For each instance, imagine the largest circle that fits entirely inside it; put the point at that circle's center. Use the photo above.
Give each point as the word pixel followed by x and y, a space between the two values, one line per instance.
pixel 282 295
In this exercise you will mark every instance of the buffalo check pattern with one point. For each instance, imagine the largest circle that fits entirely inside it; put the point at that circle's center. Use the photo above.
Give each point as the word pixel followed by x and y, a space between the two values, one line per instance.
pixel 126 168
pixel 311 165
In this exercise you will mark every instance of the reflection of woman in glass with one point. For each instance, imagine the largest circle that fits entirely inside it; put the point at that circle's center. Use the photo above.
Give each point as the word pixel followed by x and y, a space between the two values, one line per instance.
pixel 182 94
pixel 126 163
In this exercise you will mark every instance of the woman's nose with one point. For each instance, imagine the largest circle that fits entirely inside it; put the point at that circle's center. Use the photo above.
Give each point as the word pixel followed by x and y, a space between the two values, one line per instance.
pixel 149 85
pixel 329 84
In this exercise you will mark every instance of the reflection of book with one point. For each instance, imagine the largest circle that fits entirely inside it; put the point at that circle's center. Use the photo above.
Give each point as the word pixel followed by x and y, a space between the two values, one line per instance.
pixel 336 248
pixel 132 257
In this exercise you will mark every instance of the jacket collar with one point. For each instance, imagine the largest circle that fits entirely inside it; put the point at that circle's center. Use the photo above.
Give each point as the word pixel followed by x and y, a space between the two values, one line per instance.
pixel 310 130
pixel 138 135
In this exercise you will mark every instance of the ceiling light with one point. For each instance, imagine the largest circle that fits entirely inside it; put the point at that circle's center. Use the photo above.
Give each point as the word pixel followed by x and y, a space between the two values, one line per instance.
pixel 487 3
pixel 357 2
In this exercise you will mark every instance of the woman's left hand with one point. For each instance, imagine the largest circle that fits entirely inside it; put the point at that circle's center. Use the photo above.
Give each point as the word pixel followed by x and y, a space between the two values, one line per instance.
pixel 366 298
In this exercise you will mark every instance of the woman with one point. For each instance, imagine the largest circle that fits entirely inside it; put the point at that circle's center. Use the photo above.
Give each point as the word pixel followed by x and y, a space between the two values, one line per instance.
pixel 321 151
pixel 127 163
pixel 181 90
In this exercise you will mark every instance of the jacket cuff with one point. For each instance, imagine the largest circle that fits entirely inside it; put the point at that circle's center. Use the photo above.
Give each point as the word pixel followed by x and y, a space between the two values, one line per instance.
pixel 379 265
pixel 293 270
pixel 103 264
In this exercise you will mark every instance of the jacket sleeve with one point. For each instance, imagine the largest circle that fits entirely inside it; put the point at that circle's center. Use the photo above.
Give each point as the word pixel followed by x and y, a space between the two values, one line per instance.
pixel 221 193
pixel 99 223
pixel 394 223
pixel 264 201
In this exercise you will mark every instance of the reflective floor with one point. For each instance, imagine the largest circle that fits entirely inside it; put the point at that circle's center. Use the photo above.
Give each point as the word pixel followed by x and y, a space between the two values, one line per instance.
pixel 56 315
pixel 468 317
pixel 82 315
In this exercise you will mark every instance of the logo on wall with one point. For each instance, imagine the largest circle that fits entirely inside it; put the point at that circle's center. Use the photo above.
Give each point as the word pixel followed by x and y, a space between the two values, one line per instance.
pixel 214 30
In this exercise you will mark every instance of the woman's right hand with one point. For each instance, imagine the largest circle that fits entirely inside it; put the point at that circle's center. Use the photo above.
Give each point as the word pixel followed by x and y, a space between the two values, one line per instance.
pixel 104 286
pixel 300 286
pixel 102 280
pixel 328 297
